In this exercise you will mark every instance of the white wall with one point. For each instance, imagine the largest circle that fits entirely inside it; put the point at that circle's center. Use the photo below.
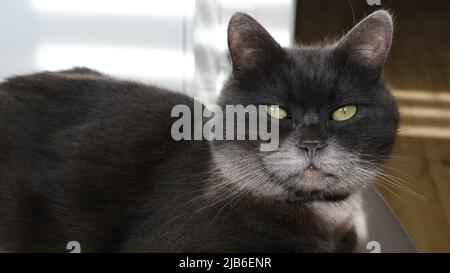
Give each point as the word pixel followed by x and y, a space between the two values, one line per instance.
pixel 148 40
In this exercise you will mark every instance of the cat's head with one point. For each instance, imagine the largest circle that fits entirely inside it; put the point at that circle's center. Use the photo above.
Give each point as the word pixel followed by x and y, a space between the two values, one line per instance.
pixel 339 119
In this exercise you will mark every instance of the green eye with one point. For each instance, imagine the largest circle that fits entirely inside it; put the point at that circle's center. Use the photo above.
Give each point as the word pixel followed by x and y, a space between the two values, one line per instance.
pixel 275 111
pixel 345 112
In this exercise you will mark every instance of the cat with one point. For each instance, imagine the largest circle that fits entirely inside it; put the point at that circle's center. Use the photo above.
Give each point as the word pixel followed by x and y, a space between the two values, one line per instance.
pixel 89 158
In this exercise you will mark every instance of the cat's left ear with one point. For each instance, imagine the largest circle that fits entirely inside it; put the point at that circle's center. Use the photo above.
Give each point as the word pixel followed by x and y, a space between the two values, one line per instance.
pixel 368 43
pixel 250 45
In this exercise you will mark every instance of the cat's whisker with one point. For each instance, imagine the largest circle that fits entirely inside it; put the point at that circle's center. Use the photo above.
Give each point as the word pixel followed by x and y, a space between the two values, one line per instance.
pixel 402 188
pixel 395 180
pixel 391 191
pixel 240 189
pixel 396 185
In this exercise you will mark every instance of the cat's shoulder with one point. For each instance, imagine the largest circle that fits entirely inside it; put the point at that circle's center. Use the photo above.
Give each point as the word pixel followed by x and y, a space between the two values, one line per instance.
pixel 85 84
pixel 83 100
pixel 46 79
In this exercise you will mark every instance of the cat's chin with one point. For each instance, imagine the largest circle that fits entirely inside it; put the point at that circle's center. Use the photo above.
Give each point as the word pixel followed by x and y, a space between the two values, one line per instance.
pixel 312 179
pixel 310 186
pixel 301 197
pixel 314 184
pixel 298 196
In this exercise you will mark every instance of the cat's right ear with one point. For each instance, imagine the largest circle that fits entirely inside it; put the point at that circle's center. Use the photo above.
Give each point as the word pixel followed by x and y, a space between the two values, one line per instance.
pixel 368 43
pixel 251 46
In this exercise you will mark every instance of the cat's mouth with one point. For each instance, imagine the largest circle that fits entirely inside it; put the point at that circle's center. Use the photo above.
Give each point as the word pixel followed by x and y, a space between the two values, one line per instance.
pixel 314 172
pixel 314 178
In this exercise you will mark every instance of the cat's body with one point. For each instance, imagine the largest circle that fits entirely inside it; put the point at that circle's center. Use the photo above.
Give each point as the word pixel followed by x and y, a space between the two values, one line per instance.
pixel 88 176
pixel 88 158
pixel 76 159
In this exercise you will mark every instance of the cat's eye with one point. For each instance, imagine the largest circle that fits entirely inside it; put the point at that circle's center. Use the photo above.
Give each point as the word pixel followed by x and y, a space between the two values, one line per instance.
pixel 275 111
pixel 344 113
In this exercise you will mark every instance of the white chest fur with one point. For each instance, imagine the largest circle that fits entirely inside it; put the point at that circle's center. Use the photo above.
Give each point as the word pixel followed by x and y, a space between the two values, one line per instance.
pixel 346 213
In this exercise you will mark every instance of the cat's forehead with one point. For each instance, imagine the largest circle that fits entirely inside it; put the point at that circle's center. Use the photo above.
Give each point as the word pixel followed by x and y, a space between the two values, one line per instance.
pixel 312 70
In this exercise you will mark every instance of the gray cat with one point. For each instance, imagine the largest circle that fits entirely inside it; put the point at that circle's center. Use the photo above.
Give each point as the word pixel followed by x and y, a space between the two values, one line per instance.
pixel 85 157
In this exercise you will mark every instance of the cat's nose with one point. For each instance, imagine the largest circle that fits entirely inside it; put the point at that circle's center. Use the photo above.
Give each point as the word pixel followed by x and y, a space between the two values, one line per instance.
pixel 312 147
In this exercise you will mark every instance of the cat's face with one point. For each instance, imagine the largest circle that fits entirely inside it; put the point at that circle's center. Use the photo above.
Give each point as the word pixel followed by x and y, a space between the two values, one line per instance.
pixel 340 121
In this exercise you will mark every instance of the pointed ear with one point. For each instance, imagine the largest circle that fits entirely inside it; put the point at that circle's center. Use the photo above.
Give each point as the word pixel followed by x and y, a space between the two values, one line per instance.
pixel 368 43
pixel 250 44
